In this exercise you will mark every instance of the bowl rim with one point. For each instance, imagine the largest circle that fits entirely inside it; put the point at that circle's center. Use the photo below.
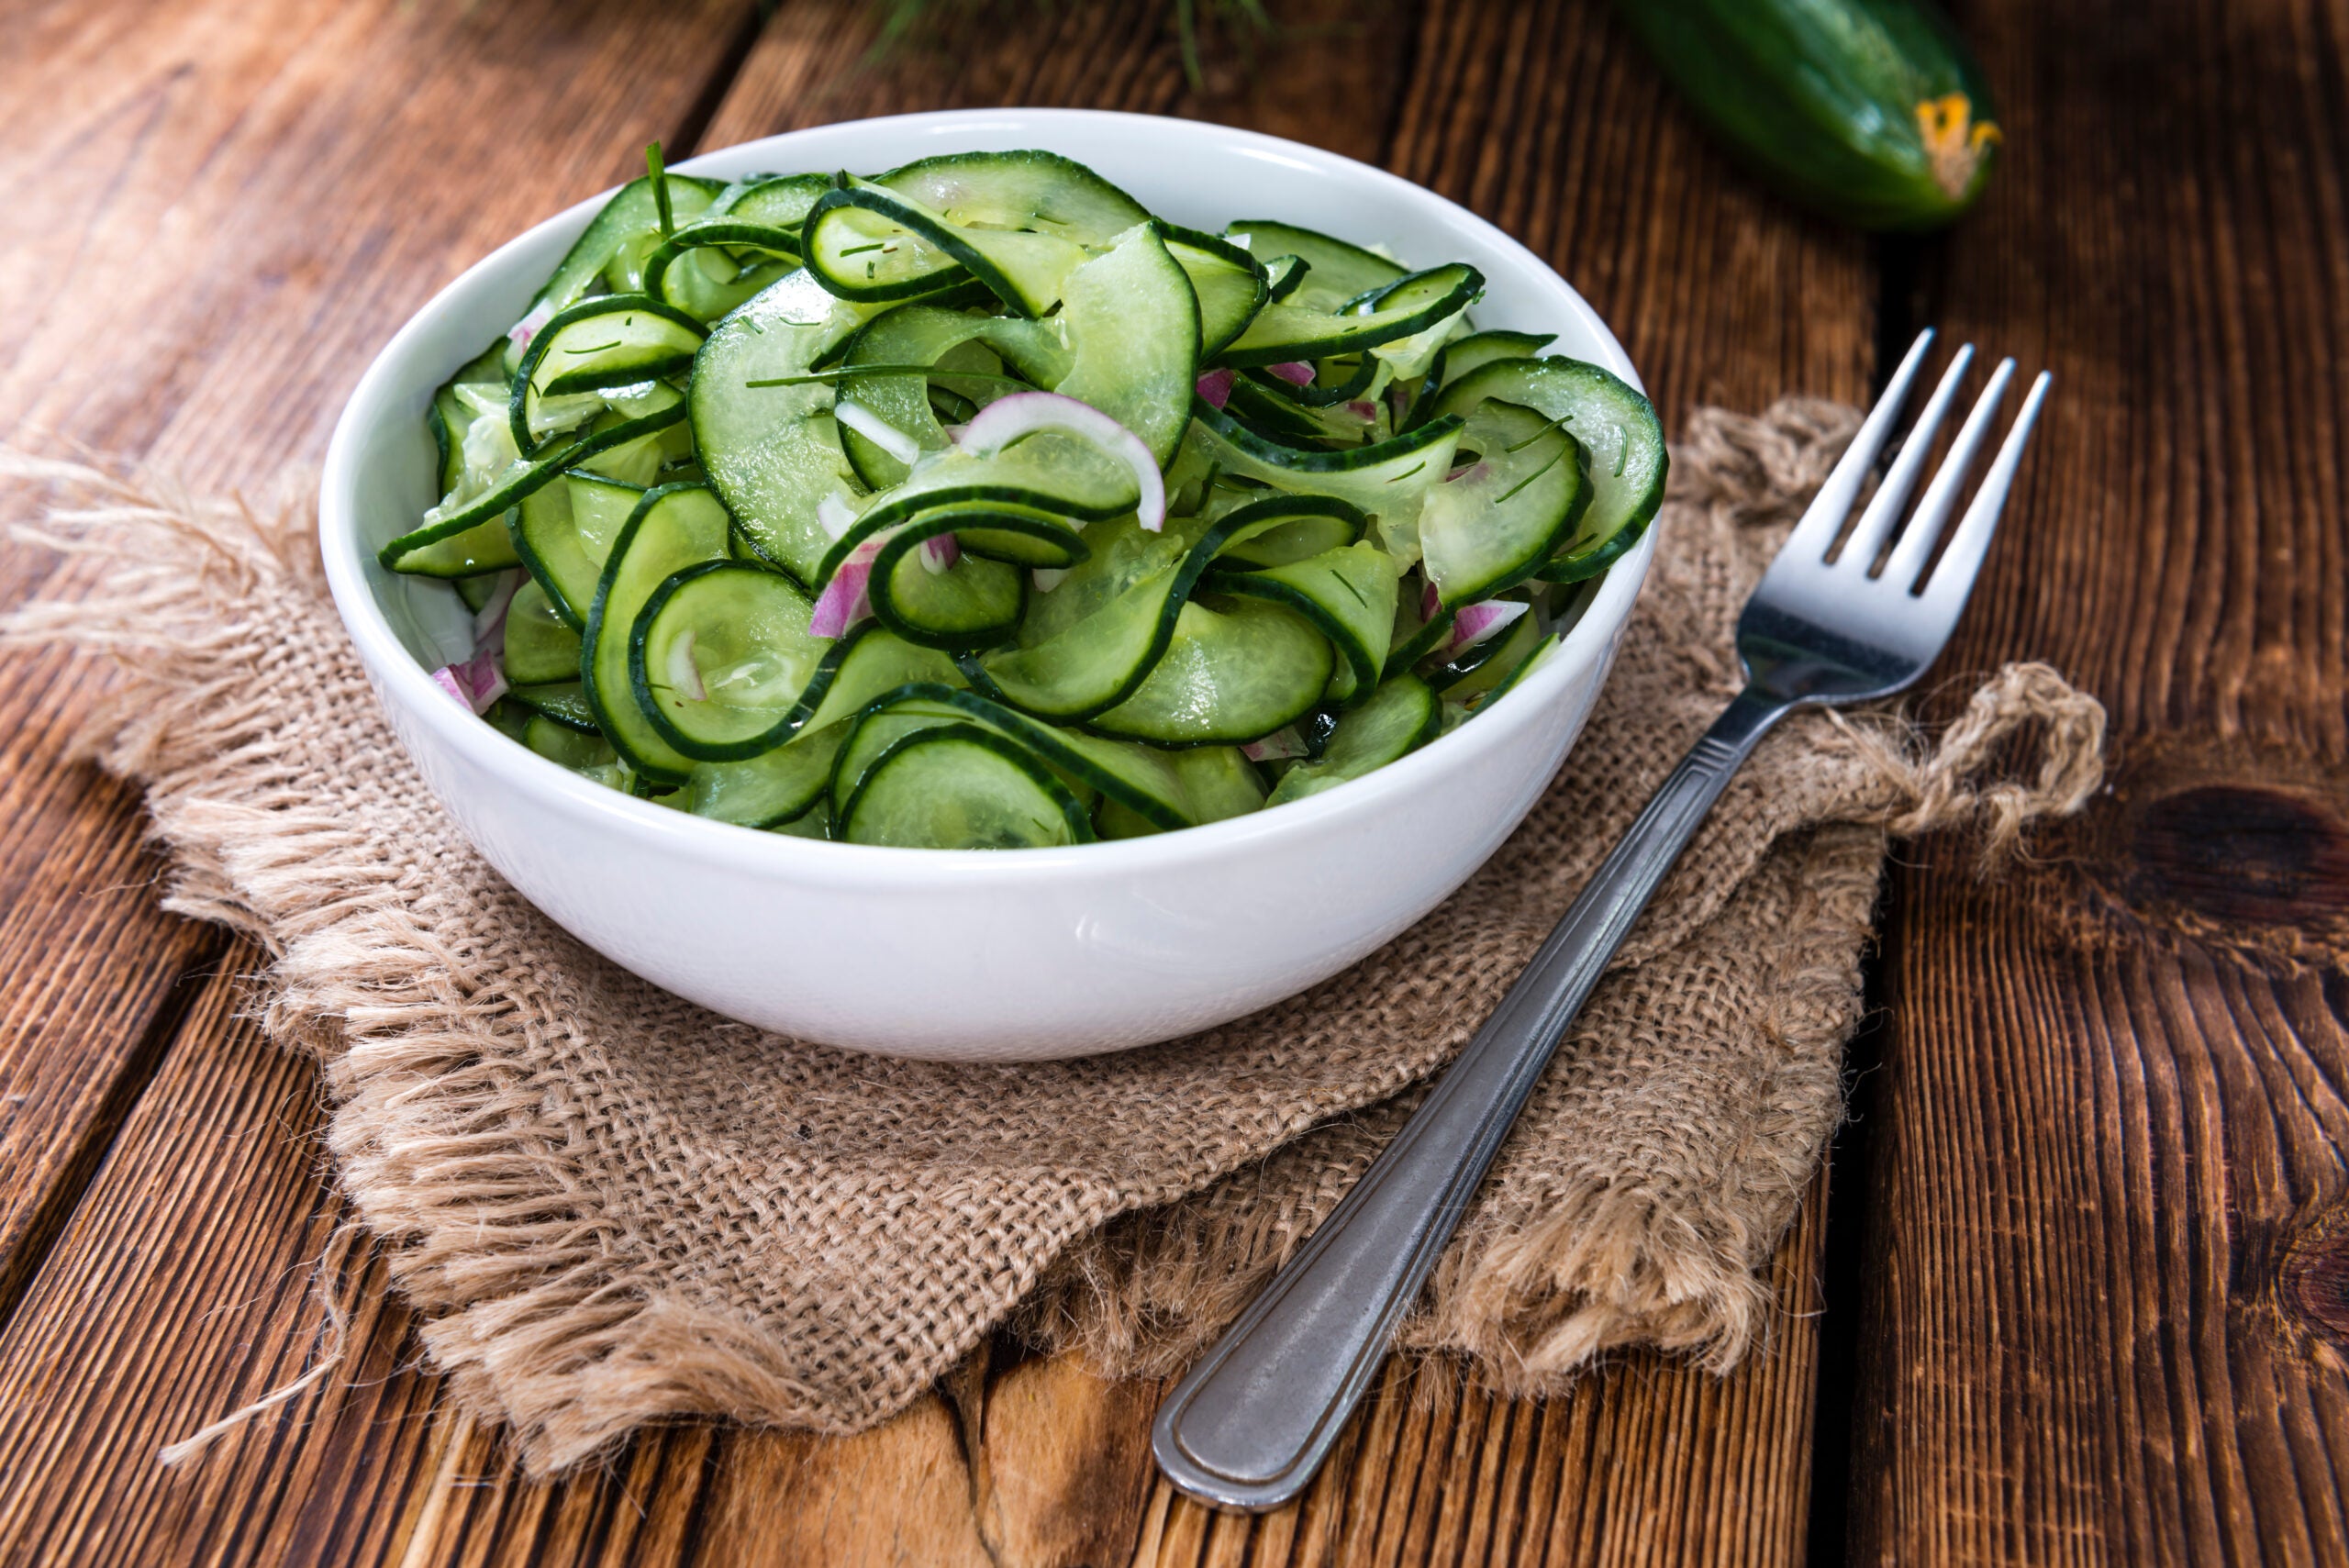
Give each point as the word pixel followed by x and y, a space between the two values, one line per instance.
pixel 402 683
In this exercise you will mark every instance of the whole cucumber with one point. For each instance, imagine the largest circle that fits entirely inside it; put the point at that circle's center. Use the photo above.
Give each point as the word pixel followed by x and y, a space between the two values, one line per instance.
pixel 1873 112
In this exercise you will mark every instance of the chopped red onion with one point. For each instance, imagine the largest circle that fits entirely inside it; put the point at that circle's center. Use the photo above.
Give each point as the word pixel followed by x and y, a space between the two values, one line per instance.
pixel 1364 409
pixel 1430 602
pixel 476 682
pixel 1278 746
pixel 1479 623
pixel 1007 419
pixel 1215 387
pixel 1297 372
pixel 940 552
pixel 1473 471
pixel 522 331
pixel 847 598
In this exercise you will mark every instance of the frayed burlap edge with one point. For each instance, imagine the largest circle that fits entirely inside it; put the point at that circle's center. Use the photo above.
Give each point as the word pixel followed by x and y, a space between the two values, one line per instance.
pixel 503 1322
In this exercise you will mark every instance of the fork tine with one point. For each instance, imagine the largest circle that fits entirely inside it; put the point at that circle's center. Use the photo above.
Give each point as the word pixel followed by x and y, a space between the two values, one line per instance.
pixel 1824 521
pixel 1954 578
pixel 1941 496
pixel 1883 513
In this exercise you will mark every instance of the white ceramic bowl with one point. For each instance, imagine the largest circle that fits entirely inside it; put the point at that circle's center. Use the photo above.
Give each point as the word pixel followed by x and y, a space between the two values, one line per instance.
pixel 973 956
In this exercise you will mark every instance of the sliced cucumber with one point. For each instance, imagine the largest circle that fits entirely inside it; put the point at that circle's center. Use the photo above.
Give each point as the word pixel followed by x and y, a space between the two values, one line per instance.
pixel 970 603
pixel 1616 426
pixel 1337 270
pixel 1478 350
pixel 1143 781
pixel 870 244
pixel 770 789
pixel 566 747
pixel 1283 528
pixel 540 647
pixel 949 340
pixel 958 786
pixel 1348 594
pixel 1049 471
pixel 771 451
pixel 632 213
pixel 561 701
pixel 1387 479
pixel 1218 782
pixel 1042 191
pixel 711 268
pixel 610 342
pixel 727 394
pixel 721 661
pixel 1227 676
pixel 1133 331
pixel 486 547
pixel 1283 275
pixel 1401 716
pixel 1494 525
pixel 674 527
pixel 1400 309
pixel 1098 643
pixel 1019 221
pixel 1228 283
pixel 780 201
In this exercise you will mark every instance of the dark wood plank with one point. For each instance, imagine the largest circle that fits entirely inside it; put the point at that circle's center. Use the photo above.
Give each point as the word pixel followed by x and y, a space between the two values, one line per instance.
pixel 2112 1124
pixel 217 215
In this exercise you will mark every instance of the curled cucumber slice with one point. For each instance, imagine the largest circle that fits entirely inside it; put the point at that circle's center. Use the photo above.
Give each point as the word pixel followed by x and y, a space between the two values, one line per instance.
pixel 1617 429
pixel 1401 716
pixel 1413 304
pixel 672 527
pixel 1348 594
pixel 1495 523
pixel 541 646
pixel 720 660
pixel 1228 675
pixel 598 345
pixel 958 786
pixel 1331 272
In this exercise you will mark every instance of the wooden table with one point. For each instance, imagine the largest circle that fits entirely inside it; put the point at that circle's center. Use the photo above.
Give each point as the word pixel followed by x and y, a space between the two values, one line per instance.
pixel 2078 1288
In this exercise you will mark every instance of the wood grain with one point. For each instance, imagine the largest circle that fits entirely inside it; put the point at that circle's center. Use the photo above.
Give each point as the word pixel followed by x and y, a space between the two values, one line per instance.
pixel 176 1289
pixel 2111 1124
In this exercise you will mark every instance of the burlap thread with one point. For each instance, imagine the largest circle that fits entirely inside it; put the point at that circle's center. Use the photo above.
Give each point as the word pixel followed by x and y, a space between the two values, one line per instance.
pixel 611 1207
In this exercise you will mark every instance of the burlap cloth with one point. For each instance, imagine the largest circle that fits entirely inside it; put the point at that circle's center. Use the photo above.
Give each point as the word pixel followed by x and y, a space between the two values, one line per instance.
pixel 612 1207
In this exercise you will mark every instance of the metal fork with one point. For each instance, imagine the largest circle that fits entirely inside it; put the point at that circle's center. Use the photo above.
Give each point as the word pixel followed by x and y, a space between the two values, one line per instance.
pixel 1253 1420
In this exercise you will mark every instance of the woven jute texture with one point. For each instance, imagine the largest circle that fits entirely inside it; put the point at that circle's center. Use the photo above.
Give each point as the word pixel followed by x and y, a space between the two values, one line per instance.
pixel 612 1207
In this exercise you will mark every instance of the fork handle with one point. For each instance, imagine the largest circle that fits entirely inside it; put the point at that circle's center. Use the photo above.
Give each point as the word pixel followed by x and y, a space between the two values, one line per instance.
pixel 1250 1424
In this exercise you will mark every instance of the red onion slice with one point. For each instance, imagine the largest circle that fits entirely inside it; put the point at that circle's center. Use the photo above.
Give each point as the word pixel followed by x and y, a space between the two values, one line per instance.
pixel 1007 419
pixel 940 552
pixel 522 331
pixel 1215 387
pixel 1297 372
pixel 1479 623
pixel 476 682
pixel 1280 745
pixel 847 598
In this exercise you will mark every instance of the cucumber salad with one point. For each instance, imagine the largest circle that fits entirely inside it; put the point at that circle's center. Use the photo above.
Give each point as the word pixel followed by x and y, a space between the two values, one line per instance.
pixel 971 505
